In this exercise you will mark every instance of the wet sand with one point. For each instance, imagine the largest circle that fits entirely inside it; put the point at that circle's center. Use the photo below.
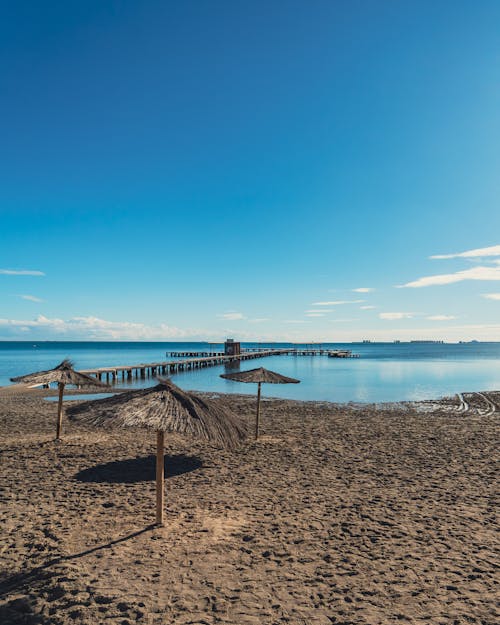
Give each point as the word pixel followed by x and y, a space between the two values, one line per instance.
pixel 340 514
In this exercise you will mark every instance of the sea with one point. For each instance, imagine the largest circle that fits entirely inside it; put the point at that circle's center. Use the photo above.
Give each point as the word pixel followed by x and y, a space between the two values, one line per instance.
pixel 384 372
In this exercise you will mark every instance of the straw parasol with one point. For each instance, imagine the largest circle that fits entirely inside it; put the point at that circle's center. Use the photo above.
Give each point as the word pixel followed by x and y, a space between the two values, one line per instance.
pixel 259 376
pixel 63 374
pixel 164 408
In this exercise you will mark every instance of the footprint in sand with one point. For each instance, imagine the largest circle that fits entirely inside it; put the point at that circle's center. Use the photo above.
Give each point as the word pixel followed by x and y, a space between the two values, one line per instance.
pixel 221 527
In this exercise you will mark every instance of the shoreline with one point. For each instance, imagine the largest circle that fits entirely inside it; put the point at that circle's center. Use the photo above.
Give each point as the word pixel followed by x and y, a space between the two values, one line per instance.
pixel 367 515
pixel 460 402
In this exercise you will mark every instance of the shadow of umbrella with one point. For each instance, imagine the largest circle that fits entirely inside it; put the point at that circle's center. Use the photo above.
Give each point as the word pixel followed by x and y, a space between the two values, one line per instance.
pixel 38 579
pixel 135 470
pixel 63 374
pixel 259 376
pixel 164 408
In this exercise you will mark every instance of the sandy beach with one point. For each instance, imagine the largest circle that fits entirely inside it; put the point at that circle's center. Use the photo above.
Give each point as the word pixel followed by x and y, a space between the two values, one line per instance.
pixel 343 514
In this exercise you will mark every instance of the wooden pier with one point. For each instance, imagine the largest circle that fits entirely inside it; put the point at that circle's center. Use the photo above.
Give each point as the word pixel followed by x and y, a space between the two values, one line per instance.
pixel 197 360
pixel 152 369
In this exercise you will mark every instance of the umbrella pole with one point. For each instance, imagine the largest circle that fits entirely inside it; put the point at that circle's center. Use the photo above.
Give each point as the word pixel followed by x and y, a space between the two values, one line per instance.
pixel 258 413
pixel 59 411
pixel 160 476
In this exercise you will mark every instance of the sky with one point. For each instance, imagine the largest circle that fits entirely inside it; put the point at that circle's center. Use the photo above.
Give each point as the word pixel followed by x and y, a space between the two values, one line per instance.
pixel 287 170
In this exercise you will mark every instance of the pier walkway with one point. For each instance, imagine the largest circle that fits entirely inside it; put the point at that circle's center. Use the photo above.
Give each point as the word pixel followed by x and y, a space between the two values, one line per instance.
pixel 197 360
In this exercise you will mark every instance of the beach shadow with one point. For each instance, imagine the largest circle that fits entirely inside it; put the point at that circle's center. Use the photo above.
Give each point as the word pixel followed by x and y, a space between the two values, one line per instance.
pixel 135 470
pixel 21 609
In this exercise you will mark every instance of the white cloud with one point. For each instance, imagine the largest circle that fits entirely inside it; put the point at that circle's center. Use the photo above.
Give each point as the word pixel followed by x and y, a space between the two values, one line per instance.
pixel 259 320
pixel 93 328
pixel 363 289
pixel 367 307
pixel 439 331
pixel 31 298
pixel 320 310
pixel 231 316
pixel 315 314
pixel 475 273
pixel 494 250
pixel 295 321
pixel 20 272
pixel 391 316
pixel 338 302
pixel 492 296
pixel 339 333
pixel 440 317
pixel 344 320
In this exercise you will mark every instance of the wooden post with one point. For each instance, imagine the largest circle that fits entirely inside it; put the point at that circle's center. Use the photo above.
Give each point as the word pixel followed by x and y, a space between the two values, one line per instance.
pixel 160 477
pixel 258 413
pixel 59 411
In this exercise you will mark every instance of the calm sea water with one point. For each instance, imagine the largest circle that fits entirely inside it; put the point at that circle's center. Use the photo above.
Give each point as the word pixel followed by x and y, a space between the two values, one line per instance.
pixel 384 371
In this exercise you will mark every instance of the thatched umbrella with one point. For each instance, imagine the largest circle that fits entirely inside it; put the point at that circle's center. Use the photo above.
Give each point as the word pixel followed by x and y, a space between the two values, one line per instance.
pixel 164 408
pixel 259 376
pixel 63 374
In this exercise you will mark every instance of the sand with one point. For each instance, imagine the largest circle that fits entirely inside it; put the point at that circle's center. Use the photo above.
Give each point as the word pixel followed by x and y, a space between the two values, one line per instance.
pixel 340 514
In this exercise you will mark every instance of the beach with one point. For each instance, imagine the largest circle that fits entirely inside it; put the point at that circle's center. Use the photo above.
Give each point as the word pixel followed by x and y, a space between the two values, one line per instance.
pixel 345 514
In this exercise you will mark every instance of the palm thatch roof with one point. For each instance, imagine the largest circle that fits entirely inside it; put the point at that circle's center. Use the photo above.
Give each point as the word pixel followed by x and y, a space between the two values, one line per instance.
pixel 64 373
pixel 259 375
pixel 164 407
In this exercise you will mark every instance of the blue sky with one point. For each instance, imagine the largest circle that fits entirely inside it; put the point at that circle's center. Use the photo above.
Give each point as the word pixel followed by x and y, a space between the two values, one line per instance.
pixel 199 170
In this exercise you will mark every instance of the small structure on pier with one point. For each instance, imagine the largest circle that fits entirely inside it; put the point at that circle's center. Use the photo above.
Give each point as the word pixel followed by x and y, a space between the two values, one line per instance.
pixel 232 347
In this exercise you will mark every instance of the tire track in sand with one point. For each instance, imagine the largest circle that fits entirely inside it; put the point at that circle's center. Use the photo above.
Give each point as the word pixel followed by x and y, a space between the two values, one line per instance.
pixel 464 406
pixel 491 406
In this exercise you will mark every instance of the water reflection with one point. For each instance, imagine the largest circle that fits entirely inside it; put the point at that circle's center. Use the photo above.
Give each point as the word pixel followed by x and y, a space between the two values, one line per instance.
pixel 362 381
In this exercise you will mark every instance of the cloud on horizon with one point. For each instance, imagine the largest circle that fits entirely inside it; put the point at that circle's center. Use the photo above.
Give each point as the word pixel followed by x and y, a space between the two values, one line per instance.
pixel 343 320
pixel 363 289
pixel 231 316
pixel 440 317
pixel 338 302
pixel 20 272
pixel 93 328
pixel 392 316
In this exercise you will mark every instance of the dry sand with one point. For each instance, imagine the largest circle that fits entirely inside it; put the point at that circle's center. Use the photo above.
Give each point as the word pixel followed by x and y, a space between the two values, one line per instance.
pixel 340 514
